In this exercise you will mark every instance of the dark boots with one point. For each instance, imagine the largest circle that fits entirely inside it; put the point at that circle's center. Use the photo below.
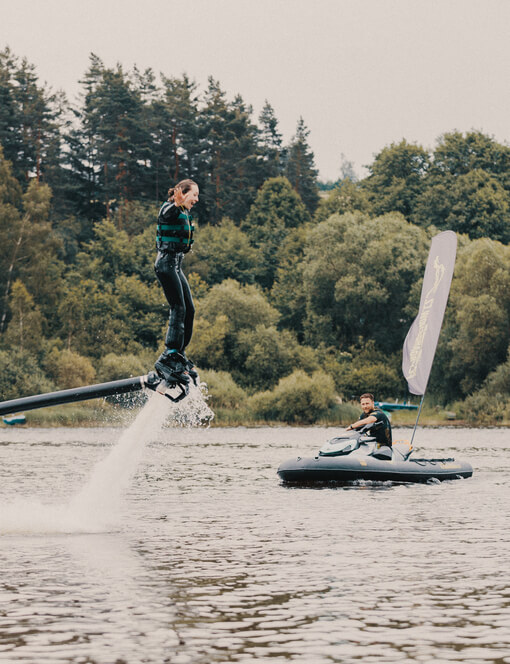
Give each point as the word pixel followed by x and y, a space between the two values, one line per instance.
pixel 191 370
pixel 173 367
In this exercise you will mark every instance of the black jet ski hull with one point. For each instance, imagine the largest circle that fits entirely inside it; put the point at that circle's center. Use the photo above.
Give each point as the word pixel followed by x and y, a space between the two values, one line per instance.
pixel 311 470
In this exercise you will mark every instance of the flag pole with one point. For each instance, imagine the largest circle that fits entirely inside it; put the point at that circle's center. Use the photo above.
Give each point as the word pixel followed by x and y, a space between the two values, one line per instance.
pixel 416 423
pixel 421 340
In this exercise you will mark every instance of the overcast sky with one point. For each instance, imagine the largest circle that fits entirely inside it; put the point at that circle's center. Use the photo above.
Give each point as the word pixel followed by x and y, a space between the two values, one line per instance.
pixel 362 73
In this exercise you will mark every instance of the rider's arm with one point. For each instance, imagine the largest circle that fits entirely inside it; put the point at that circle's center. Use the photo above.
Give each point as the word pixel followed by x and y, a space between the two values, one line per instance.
pixel 361 423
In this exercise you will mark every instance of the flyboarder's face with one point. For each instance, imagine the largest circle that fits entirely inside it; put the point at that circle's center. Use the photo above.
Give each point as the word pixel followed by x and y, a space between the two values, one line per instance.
pixel 367 405
pixel 190 197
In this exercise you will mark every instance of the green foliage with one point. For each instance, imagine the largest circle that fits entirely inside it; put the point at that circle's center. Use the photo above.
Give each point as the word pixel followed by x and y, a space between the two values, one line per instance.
pixel 458 154
pixel 270 141
pixel 175 151
pixel 476 333
pixel 109 254
pixel 68 369
pixel 276 200
pixel 24 331
pixel 463 186
pixel 28 248
pixel 236 331
pixel 116 367
pixel 38 264
pixel 113 122
pixel 91 316
pixel 300 167
pixel 491 403
pixel 243 306
pixel 263 355
pixel 344 413
pixel 356 278
pixel 346 196
pixel 31 121
pixel 142 312
pixel 134 217
pixel 20 375
pixel 227 310
pixel 276 211
pixel 78 204
pixel 377 378
pixel 198 286
pixel 288 292
pixel 298 398
pixel 234 172
pixel 396 178
pixel 482 340
pixel 498 382
pixel 209 342
pixel 484 409
pixel 224 391
pixel 474 203
pixel 10 190
pixel 224 252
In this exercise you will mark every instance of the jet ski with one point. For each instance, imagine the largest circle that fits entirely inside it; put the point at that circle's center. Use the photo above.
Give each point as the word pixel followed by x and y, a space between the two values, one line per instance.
pixel 357 456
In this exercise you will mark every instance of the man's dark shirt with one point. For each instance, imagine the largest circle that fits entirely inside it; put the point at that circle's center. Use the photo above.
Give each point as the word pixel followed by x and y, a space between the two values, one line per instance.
pixel 382 433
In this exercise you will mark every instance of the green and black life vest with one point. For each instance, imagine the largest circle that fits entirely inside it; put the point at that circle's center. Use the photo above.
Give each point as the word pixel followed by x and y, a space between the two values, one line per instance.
pixel 175 230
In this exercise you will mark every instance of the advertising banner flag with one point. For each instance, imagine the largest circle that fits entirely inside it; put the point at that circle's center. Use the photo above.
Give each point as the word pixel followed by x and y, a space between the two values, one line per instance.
pixel 421 341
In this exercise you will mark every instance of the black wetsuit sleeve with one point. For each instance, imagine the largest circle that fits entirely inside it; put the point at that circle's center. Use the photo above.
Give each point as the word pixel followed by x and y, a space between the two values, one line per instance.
pixel 169 213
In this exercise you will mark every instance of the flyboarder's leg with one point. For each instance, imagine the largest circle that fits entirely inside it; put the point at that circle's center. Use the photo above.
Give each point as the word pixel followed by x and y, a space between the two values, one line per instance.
pixel 188 324
pixel 172 363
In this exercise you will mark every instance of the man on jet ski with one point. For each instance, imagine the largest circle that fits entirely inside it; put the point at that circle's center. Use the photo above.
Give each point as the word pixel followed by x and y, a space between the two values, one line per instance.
pixel 382 430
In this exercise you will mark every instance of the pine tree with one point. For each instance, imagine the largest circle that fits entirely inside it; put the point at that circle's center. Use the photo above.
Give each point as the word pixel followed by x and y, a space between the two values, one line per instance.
pixel 9 120
pixel 12 230
pixel 174 135
pixel 300 167
pixel 31 121
pixel 116 138
pixel 270 142
pixel 229 158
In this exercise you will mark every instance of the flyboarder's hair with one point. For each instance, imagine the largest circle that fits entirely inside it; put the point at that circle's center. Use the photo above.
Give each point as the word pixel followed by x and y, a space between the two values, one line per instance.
pixel 367 395
pixel 183 186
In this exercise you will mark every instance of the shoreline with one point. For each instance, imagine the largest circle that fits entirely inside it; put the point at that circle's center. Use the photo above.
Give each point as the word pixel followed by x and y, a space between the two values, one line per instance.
pixel 100 413
pixel 65 422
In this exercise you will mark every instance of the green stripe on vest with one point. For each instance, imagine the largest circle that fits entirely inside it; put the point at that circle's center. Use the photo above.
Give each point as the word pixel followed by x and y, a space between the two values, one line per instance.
pixel 166 227
pixel 180 240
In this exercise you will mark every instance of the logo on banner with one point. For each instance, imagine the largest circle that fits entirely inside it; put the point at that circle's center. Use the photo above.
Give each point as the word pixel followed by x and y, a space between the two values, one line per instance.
pixel 417 349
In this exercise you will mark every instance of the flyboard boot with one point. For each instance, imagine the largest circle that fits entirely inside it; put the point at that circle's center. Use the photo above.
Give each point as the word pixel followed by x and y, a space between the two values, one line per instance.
pixel 172 367
pixel 190 368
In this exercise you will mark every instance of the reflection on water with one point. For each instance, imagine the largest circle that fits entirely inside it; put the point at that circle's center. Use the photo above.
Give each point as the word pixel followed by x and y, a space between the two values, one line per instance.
pixel 211 559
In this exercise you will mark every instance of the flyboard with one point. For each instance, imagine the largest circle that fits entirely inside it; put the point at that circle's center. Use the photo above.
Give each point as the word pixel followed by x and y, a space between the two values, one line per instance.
pixel 357 456
pixel 174 391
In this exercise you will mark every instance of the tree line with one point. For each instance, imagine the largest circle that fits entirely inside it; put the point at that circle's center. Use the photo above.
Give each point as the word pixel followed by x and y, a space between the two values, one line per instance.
pixel 301 298
pixel 132 133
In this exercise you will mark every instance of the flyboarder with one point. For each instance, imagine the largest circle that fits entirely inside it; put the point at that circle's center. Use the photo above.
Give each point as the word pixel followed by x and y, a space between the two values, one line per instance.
pixel 174 237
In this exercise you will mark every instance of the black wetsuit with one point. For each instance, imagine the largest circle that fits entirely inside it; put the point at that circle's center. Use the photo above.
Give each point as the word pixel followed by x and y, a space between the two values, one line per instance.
pixel 382 433
pixel 174 239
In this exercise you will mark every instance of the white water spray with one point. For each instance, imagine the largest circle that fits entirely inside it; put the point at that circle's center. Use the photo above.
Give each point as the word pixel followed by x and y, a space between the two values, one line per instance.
pixel 96 507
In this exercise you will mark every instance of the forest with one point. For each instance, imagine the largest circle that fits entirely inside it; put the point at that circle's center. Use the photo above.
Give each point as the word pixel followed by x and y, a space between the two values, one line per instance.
pixel 304 290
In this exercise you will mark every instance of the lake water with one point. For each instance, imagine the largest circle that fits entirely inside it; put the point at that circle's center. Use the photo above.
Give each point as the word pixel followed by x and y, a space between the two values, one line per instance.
pixel 181 545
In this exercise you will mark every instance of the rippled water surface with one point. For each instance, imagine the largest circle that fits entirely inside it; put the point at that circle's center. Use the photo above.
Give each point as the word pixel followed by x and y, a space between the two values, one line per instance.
pixel 209 558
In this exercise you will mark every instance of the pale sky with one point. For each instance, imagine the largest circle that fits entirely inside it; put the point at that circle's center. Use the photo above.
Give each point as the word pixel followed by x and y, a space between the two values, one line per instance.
pixel 362 73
